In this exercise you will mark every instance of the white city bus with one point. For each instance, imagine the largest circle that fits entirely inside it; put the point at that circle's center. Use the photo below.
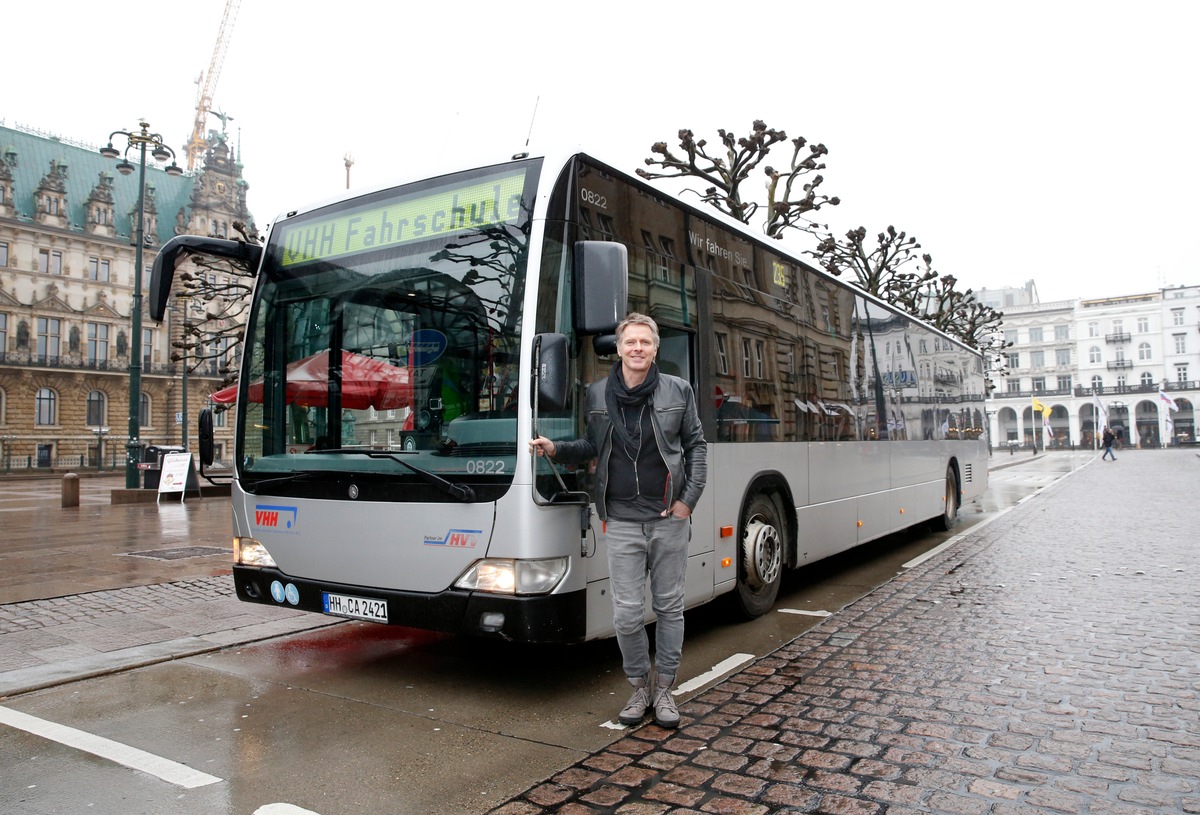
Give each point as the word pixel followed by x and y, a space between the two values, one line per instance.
pixel 404 345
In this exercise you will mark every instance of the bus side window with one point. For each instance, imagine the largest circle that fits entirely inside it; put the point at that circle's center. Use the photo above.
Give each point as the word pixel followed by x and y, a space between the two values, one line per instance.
pixel 675 353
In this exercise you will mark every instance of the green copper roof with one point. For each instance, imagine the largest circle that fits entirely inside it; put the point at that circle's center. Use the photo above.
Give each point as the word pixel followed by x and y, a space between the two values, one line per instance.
pixel 33 156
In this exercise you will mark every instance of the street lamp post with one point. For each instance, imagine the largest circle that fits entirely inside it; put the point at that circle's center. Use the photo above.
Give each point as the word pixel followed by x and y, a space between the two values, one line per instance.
pixel 140 140
pixel 185 301
pixel 100 433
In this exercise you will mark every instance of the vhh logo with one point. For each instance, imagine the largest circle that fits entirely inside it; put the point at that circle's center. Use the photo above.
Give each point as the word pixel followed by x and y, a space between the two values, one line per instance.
pixel 278 518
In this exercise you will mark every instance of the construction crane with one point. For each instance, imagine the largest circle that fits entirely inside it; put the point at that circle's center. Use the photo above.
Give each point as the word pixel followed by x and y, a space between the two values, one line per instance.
pixel 206 83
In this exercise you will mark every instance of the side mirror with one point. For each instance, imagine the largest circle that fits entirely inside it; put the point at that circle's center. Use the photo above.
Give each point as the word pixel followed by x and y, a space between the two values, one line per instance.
pixel 206 437
pixel 601 286
pixel 550 370
pixel 177 250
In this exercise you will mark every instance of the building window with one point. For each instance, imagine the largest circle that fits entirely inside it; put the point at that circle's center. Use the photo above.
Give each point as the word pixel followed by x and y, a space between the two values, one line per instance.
pixel 98 269
pixel 97 343
pixel 1097 383
pixel 147 347
pixel 46 407
pixel 1037 359
pixel 1014 359
pixel 3 255
pixel 144 404
pixel 1094 355
pixel 1064 383
pixel 1144 351
pixel 221 418
pixel 1062 356
pixel 95 409
pixel 1180 343
pixel 1062 332
pixel 49 261
pixel 668 250
pixel 48 337
pixel 1035 335
pixel 722 354
pixel 1147 380
pixel 1143 325
pixel 1012 386
pixel 1010 336
pixel 1181 374
pixel 1039 383
pixel 1176 316
pixel 1093 329
pixel 746 360
pixel 1118 325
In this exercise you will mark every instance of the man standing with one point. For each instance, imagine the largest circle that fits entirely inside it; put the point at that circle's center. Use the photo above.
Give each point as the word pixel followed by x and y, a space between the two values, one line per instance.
pixel 644 427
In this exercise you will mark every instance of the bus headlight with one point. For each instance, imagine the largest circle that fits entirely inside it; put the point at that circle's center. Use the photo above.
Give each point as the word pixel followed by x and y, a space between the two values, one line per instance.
pixel 507 576
pixel 250 552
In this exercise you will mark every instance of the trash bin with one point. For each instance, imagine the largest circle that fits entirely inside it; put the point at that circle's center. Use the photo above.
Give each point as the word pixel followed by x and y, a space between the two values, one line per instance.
pixel 152 463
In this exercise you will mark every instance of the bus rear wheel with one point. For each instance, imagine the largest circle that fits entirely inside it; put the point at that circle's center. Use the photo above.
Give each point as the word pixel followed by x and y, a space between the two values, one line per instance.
pixel 949 517
pixel 761 555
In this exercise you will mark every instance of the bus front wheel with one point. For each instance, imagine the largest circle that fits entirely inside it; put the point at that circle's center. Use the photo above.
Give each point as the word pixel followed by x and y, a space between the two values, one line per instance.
pixel 949 517
pixel 761 555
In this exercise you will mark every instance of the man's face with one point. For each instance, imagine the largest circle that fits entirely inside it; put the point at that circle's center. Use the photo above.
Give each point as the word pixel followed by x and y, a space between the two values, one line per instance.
pixel 637 349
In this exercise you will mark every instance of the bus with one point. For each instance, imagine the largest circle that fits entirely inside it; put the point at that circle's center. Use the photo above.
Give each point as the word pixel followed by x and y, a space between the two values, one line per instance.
pixel 405 343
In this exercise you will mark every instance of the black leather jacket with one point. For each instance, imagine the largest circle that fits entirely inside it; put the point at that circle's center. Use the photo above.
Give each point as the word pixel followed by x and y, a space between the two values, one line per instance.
pixel 677 431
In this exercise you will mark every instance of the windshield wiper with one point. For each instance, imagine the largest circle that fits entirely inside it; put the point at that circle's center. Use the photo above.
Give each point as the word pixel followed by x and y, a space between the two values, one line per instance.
pixel 253 487
pixel 460 491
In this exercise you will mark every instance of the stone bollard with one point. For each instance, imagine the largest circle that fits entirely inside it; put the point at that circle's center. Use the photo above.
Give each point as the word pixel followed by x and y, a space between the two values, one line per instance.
pixel 70 490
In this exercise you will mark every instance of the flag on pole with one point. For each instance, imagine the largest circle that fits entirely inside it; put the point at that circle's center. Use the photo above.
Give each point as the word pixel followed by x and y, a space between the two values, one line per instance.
pixel 1038 406
pixel 1167 400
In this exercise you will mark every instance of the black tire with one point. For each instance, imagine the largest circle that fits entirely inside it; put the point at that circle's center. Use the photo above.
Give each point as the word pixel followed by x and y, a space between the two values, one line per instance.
pixel 760 555
pixel 949 517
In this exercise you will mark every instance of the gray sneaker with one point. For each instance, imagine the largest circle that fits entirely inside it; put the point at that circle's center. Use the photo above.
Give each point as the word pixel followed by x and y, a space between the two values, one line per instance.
pixel 666 714
pixel 635 709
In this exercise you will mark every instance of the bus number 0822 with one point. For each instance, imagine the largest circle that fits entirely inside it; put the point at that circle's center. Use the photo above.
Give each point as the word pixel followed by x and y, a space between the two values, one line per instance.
pixel 593 198
pixel 486 467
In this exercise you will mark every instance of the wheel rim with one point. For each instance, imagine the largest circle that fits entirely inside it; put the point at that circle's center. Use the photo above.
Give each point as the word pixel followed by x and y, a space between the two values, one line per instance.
pixel 763 552
pixel 951 498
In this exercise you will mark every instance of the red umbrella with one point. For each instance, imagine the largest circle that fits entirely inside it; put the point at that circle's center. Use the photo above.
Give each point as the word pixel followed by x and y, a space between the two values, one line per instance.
pixel 366 382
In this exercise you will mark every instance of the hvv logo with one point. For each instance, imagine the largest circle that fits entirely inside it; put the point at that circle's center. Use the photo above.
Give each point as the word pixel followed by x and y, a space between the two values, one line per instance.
pixel 456 539
pixel 276 519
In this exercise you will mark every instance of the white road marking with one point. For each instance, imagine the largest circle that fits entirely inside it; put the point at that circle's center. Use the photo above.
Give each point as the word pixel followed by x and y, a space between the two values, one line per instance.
pixel 172 772
pixel 283 809
pixel 716 672
pixel 806 613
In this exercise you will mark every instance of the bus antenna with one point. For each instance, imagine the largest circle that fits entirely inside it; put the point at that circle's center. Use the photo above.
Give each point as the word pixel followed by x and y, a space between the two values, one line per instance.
pixel 532 119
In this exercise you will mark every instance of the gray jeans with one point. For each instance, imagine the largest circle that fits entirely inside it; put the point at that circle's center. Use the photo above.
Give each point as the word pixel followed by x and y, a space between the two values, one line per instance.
pixel 659 548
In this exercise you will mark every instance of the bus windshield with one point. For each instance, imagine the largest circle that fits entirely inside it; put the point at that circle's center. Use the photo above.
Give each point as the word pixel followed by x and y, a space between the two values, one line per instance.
pixel 384 340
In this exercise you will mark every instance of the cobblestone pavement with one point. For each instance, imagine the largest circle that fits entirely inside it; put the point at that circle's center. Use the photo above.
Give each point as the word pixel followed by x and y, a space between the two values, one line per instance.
pixel 1047 663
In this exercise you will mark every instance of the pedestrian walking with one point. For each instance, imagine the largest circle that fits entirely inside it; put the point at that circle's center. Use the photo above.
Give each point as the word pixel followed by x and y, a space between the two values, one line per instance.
pixel 644 430
pixel 1109 439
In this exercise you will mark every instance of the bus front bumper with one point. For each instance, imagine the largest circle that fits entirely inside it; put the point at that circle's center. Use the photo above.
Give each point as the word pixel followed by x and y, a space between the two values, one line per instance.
pixel 553 618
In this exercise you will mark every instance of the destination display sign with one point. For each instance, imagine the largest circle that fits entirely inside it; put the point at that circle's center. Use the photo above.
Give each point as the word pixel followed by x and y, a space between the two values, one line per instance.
pixel 483 202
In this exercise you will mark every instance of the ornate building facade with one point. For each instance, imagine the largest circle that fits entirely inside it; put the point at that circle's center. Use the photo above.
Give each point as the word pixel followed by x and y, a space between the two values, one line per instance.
pixel 1131 363
pixel 68 223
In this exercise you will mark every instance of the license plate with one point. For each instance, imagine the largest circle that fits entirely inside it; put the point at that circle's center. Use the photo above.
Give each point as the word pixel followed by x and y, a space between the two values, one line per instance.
pixel 360 607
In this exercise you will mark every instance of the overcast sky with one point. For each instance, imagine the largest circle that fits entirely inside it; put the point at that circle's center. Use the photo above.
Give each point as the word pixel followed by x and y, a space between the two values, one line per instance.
pixel 1053 141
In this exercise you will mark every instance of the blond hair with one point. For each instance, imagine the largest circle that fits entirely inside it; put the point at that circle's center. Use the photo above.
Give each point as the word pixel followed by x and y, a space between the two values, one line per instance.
pixel 633 318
